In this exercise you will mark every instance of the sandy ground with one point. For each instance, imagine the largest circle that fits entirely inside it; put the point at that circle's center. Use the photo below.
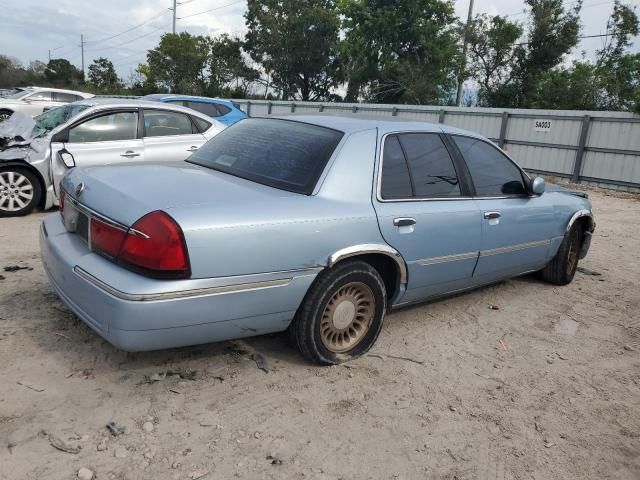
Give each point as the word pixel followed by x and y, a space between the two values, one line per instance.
pixel 559 399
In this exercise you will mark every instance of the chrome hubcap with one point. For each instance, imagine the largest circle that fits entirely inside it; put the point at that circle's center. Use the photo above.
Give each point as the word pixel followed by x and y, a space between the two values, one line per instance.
pixel 347 317
pixel 16 191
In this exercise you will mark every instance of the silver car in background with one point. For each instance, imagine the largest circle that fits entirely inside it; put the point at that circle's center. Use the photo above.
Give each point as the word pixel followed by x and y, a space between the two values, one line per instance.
pixel 35 100
pixel 36 153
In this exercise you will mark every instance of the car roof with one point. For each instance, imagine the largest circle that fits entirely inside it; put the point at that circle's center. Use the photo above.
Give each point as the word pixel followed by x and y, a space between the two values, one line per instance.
pixel 60 90
pixel 162 96
pixel 138 103
pixel 355 123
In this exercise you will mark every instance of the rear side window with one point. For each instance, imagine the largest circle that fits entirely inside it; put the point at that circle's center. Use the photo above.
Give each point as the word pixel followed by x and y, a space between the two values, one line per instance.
pixel 40 96
pixel 223 109
pixel 201 124
pixel 207 108
pixel 65 97
pixel 283 154
pixel 492 172
pixel 431 167
pixel 106 128
pixel 162 123
pixel 396 182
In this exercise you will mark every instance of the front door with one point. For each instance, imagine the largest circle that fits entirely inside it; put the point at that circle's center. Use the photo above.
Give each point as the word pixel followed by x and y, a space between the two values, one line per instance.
pixel 103 139
pixel 516 227
pixel 426 213
pixel 169 136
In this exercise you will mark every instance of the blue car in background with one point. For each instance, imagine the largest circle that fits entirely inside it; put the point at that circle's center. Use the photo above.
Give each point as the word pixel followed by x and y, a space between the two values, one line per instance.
pixel 224 111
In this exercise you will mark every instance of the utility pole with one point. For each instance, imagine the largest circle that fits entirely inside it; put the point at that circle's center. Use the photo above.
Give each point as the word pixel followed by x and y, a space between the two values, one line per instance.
pixel 49 54
pixel 82 52
pixel 463 63
pixel 175 4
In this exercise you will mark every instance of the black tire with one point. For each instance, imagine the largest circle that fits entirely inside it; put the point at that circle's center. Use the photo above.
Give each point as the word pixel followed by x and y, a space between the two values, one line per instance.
pixel 5 114
pixel 16 200
pixel 312 330
pixel 562 268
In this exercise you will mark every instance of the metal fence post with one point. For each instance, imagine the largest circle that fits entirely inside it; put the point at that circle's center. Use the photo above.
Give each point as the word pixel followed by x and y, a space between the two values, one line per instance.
pixel 293 107
pixel 269 108
pixel 441 116
pixel 394 112
pixel 503 129
pixel 321 108
pixel 248 108
pixel 577 164
pixel 354 109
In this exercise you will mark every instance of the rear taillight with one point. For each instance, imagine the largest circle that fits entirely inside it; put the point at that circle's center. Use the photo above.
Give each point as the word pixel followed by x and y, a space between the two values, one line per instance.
pixel 62 195
pixel 106 238
pixel 157 247
pixel 153 246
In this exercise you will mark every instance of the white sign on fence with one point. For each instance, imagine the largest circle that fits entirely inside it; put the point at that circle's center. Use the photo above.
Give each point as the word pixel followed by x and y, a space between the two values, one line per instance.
pixel 542 125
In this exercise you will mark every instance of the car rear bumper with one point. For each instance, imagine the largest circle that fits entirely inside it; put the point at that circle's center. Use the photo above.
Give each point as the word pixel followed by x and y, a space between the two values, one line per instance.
pixel 136 313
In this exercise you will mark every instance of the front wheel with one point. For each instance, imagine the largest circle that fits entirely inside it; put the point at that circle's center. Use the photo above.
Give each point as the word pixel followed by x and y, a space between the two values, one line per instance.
pixel 562 268
pixel 5 115
pixel 20 191
pixel 341 315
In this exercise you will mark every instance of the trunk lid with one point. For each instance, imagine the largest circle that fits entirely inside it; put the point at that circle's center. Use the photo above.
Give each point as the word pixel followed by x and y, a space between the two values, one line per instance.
pixel 126 193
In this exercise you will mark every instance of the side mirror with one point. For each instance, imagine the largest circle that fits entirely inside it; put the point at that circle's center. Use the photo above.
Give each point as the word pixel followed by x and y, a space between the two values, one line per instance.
pixel 67 158
pixel 538 186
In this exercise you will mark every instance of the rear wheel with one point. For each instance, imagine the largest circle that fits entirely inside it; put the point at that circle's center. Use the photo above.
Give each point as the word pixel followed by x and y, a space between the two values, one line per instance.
pixel 20 191
pixel 5 114
pixel 342 314
pixel 562 268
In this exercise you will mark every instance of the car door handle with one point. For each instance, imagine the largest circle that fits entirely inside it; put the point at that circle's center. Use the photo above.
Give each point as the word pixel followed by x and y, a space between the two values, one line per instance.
pixel 404 221
pixel 130 154
pixel 192 148
pixel 491 215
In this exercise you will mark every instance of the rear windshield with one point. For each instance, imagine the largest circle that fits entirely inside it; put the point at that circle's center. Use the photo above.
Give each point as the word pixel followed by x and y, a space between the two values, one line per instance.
pixel 280 153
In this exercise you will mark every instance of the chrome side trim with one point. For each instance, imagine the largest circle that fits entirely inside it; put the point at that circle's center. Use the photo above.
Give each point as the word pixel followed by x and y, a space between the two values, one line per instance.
pixel 447 258
pixel 579 214
pixel 371 248
pixel 145 297
pixel 513 248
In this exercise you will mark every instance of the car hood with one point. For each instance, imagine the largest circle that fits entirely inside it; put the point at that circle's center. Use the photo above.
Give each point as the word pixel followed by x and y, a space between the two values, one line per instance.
pixel 16 130
pixel 127 192
pixel 552 187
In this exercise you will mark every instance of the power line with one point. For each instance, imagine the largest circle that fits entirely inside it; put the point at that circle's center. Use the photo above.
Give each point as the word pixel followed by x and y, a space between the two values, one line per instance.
pixel 149 20
pixel 212 9
pixel 120 45
pixel 589 5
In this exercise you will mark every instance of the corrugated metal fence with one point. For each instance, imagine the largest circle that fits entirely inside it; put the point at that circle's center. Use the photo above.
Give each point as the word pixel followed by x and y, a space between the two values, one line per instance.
pixel 598 148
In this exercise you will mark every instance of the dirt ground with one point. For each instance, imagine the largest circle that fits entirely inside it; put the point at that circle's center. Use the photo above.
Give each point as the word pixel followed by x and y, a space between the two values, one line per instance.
pixel 545 387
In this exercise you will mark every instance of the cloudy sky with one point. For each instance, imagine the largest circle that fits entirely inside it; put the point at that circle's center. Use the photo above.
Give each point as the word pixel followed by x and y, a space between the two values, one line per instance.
pixel 122 30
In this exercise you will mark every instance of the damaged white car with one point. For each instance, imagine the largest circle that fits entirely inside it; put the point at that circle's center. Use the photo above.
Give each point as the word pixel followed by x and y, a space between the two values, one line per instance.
pixel 36 153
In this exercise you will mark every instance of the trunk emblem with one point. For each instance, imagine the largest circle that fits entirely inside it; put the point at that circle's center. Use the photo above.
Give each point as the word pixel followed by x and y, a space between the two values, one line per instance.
pixel 79 189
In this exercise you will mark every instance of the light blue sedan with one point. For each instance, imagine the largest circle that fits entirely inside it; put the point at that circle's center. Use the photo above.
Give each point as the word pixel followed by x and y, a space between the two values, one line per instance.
pixel 227 112
pixel 315 224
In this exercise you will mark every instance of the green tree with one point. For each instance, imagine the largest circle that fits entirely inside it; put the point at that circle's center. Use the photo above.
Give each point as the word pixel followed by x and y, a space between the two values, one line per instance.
pixel 103 76
pixel 179 62
pixel 11 72
pixel 400 52
pixel 228 68
pixel 573 88
pixel 61 73
pixel 295 41
pixel 492 52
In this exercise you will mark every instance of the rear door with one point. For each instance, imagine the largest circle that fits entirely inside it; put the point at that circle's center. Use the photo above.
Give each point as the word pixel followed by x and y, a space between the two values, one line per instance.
pixel 37 102
pixel 516 226
pixel 100 139
pixel 425 212
pixel 169 135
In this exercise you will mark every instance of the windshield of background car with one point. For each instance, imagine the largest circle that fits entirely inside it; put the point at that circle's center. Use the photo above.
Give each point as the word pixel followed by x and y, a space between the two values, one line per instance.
pixel 18 93
pixel 284 154
pixel 57 116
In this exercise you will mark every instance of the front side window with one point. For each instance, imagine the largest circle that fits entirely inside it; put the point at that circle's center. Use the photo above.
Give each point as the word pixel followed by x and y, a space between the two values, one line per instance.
pixel 492 172
pixel 162 123
pixel 284 154
pixel 110 127
pixel 40 96
pixel 431 167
